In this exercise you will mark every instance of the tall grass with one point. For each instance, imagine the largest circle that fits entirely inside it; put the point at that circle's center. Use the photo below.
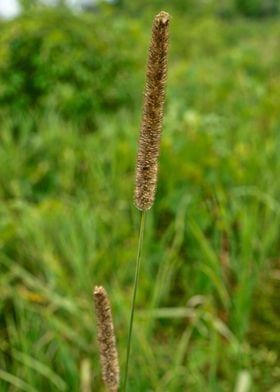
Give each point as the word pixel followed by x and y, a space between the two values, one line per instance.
pixel 149 143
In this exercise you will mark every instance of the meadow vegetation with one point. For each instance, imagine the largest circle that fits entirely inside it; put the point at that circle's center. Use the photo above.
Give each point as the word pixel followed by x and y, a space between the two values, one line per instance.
pixel 207 310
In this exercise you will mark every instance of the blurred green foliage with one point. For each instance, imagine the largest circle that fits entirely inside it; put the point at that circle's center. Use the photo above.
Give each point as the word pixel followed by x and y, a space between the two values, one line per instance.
pixel 55 60
pixel 208 310
pixel 248 8
pixel 257 7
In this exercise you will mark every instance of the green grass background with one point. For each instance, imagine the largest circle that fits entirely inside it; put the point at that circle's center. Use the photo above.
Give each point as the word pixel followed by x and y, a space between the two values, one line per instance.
pixel 207 314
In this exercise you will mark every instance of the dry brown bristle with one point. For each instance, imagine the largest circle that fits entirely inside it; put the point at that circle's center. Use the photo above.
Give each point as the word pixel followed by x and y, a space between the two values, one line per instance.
pixel 149 141
pixel 106 339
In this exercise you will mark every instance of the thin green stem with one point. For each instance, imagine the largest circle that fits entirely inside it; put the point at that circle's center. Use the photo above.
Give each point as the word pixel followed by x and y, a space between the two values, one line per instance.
pixel 136 279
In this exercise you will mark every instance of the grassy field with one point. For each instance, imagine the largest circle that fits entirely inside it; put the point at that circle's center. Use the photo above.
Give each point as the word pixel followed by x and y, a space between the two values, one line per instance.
pixel 207 310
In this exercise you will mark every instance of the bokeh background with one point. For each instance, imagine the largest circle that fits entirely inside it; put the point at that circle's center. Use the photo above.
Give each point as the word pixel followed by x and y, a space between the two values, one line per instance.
pixel 71 89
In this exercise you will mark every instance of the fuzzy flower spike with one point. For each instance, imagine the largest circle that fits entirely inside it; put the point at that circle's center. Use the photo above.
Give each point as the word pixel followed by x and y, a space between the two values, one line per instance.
pixel 149 141
pixel 106 340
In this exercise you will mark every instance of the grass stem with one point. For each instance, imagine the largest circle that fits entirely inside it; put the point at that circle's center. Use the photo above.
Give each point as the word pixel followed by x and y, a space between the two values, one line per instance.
pixel 136 278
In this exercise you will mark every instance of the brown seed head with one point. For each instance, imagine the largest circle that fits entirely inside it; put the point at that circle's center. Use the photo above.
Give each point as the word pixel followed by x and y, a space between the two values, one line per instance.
pixel 149 141
pixel 106 339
